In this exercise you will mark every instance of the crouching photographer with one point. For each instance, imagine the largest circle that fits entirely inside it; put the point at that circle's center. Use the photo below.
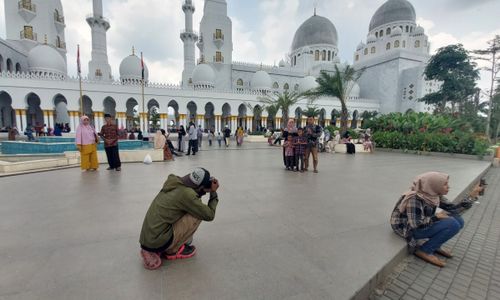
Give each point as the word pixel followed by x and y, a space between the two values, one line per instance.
pixel 174 216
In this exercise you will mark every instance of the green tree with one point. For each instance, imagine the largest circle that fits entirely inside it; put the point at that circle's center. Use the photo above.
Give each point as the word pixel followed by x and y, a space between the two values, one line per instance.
pixel 272 110
pixel 495 115
pixel 154 118
pixel 339 85
pixel 282 101
pixel 490 55
pixel 454 68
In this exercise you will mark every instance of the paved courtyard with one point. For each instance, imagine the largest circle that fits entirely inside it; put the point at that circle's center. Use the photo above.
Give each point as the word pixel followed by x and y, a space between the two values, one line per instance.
pixel 276 235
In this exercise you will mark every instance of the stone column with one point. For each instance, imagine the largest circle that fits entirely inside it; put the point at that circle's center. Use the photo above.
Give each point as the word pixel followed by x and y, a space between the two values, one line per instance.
pixel 337 123
pixel 200 121
pixel 327 122
pixel 278 122
pixel 164 121
pixel 143 123
pixel 46 118
pixel 250 123
pixel 74 120
pixel 99 120
pixel 234 123
pixel 217 124
pixel 182 120
pixel 19 121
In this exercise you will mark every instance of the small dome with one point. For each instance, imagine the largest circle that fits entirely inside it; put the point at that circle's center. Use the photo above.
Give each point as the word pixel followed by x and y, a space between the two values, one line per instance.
pixel 307 83
pixel 282 64
pixel 361 45
pixel 130 69
pixel 419 30
pixel 355 90
pixel 315 30
pixel 371 38
pixel 46 59
pixel 203 75
pixel 261 81
pixel 397 31
pixel 393 11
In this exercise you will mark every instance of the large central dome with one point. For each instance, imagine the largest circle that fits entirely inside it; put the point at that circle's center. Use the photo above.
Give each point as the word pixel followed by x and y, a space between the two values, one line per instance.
pixel 315 30
pixel 392 11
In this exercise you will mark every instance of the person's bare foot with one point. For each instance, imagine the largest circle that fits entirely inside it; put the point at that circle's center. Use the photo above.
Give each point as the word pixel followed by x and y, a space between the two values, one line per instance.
pixel 430 258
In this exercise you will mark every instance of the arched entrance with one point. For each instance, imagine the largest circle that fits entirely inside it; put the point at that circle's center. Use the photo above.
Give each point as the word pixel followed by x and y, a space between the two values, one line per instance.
pixel 191 107
pixel 257 119
pixel 7 114
pixel 109 106
pixel 34 114
pixel 61 115
pixel 354 122
pixel 132 114
pixel 321 118
pixel 242 116
pixel 335 117
pixel 154 118
pixel 209 116
pixel 173 114
pixel 226 115
pixel 87 108
pixel 298 117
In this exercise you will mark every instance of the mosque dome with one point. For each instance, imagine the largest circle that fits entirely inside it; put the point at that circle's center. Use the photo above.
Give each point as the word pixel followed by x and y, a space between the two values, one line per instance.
pixel 315 30
pixel 282 64
pixel 46 59
pixel 361 45
pixel 397 31
pixel 355 90
pixel 393 11
pixel 419 30
pixel 130 69
pixel 307 83
pixel 203 75
pixel 261 81
pixel 371 38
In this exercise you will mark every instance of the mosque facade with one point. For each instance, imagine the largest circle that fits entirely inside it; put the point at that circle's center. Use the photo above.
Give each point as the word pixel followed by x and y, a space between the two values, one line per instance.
pixel 215 90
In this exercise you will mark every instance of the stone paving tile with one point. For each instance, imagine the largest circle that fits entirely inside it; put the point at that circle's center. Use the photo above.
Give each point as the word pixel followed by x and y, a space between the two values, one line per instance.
pixel 474 272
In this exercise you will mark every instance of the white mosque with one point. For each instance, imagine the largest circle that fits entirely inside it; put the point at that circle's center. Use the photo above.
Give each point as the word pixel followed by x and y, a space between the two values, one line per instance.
pixel 215 90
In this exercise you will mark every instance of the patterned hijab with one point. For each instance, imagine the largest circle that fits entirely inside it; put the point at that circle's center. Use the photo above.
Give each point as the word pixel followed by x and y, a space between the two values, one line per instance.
pixel 428 186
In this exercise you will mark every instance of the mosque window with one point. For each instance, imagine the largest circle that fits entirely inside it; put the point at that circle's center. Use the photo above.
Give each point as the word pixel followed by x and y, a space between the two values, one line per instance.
pixel 407 28
pixel 239 82
pixel 218 34
pixel 329 55
pixel 218 57
pixel 417 44
pixel 396 44
pixel 316 55
pixel 404 44
pixel 286 86
pixel 276 86
pixel 323 57
pixel 388 31
pixel 388 46
pixel 366 51
pixel 28 33
pixel 18 68
pixel 376 34
pixel 381 33
pixel 357 57
pixel 373 50
pixel 296 87
pixel 411 29
pixel 9 65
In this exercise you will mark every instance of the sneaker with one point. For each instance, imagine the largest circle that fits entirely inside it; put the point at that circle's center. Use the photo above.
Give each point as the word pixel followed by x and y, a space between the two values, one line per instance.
pixel 185 251
pixel 118 169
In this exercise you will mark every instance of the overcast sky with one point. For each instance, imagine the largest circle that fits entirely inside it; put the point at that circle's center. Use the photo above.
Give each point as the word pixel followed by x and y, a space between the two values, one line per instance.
pixel 262 29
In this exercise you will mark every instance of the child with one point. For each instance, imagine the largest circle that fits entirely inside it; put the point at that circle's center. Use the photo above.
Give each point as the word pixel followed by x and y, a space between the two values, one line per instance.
pixel 300 143
pixel 219 139
pixel 289 153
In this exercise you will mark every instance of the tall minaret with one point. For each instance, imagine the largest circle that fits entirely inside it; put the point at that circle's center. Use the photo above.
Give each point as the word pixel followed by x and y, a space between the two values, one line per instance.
pixel 189 38
pixel 99 68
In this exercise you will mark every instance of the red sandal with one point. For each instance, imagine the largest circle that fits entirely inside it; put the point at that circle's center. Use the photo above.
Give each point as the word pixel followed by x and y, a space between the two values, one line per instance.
pixel 151 260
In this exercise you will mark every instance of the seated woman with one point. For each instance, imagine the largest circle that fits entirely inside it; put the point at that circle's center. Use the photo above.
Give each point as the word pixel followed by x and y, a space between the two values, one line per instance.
pixel 415 218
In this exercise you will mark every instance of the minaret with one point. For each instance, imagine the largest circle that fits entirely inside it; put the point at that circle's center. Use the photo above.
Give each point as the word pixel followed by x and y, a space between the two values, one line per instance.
pixel 99 68
pixel 189 38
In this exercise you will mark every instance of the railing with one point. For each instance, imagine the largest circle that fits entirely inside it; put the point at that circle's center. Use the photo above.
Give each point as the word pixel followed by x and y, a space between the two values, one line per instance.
pixel 58 18
pixel 92 16
pixel 218 36
pixel 27 5
pixel 60 44
pixel 189 31
pixel 28 35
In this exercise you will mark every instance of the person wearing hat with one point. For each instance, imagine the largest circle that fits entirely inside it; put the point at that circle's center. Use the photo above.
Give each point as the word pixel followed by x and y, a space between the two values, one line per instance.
pixel 110 134
pixel 174 216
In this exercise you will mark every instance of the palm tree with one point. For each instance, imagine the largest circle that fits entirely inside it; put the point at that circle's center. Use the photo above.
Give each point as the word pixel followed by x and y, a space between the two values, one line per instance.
pixel 282 101
pixel 337 85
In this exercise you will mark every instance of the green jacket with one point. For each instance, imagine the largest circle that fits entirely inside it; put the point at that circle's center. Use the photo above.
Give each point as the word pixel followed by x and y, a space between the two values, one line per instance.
pixel 174 201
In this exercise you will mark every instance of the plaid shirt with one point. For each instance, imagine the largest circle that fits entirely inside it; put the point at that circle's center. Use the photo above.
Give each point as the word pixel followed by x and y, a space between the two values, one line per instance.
pixel 419 215
pixel 110 135
pixel 288 148
pixel 300 143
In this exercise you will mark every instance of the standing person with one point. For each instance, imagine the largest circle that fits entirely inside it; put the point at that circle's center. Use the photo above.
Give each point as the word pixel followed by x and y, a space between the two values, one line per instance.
pixel 109 133
pixel 289 153
pixel 227 135
pixel 13 132
pixel 210 137
pixel 86 142
pixel 199 133
pixel 174 216
pixel 219 139
pixel 239 136
pixel 193 139
pixel 290 130
pixel 368 144
pixel 300 143
pixel 415 216
pixel 313 132
pixel 181 134
pixel 29 133
pixel 167 154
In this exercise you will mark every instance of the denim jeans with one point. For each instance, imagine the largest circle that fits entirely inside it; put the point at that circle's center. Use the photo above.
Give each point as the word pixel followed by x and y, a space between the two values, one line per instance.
pixel 438 233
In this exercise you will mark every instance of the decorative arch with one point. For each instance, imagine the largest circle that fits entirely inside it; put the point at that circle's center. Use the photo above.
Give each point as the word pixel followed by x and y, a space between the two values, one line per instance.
pixel 335 116
pixel 18 68
pixel 226 115
pixel 34 113
pixel 257 119
pixel 322 117
pixel 316 55
pixel 61 115
pixel 7 113
pixel 286 87
pixel 10 66
pixel 242 116
pixel 388 46
pixel 209 116
pixel 355 117
pixel 192 110
pixel 276 86
pixel 109 105
pixel 173 110
pixel 239 82
pixel 132 114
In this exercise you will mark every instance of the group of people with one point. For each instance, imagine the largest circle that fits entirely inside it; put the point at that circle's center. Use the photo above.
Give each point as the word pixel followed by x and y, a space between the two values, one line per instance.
pixel 300 144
